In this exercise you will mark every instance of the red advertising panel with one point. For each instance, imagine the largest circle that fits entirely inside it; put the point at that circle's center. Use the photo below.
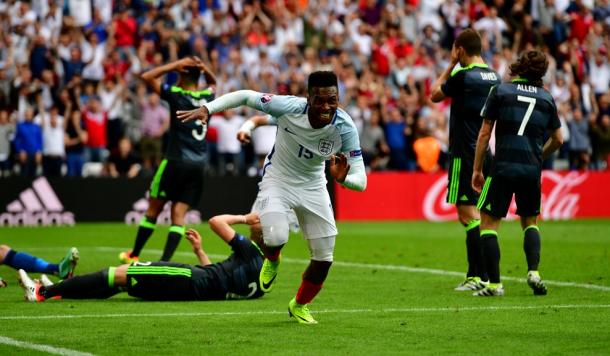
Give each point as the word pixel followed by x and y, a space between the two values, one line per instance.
pixel 418 196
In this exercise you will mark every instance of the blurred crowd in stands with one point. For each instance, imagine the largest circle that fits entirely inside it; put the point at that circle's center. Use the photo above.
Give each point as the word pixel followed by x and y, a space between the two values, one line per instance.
pixel 71 102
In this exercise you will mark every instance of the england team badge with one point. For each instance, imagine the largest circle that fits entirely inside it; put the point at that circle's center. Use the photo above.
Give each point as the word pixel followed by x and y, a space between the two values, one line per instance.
pixel 325 147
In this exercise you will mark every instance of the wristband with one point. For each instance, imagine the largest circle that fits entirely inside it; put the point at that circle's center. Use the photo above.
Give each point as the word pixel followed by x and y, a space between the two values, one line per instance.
pixel 247 127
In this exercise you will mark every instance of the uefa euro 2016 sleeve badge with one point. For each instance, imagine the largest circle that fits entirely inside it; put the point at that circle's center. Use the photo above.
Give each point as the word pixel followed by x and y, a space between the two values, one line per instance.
pixel 325 147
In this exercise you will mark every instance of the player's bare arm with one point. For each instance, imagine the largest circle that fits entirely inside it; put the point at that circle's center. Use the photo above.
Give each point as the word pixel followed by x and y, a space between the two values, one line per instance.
pixel 152 78
pixel 482 144
pixel 200 114
pixel 244 135
pixel 210 78
pixel 195 239
pixel 221 224
pixel 552 144
pixel 437 94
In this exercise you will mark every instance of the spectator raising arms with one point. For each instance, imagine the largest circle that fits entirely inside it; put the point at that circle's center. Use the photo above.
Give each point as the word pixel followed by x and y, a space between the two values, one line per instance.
pixel 389 52
pixel 53 150
pixel 96 121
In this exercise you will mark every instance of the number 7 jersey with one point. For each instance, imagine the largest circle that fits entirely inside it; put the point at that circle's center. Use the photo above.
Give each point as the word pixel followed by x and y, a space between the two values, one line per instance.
pixel 299 153
pixel 524 113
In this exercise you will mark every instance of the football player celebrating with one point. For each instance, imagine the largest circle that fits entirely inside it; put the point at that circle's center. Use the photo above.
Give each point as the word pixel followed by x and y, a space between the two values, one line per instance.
pixel 310 132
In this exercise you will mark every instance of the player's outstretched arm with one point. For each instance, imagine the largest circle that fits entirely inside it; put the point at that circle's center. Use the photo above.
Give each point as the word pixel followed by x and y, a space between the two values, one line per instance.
pixel 274 105
pixel 195 239
pixel 482 144
pixel 221 224
pixel 244 135
pixel 228 101
pixel 552 144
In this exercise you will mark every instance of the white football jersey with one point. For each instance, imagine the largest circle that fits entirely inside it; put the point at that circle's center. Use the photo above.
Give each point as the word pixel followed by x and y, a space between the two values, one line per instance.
pixel 299 153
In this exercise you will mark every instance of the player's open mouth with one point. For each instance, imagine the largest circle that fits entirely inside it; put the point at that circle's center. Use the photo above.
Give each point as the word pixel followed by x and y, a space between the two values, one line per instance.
pixel 325 116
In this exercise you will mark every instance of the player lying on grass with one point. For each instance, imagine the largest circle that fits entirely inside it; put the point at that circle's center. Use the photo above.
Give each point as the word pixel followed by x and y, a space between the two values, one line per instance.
pixel 29 263
pixel 234 278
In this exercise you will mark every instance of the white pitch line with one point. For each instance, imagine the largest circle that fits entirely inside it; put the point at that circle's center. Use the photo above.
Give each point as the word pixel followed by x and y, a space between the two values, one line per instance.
pixel 327 311
pixel 461 274
pixel 41 347
pixel 404 268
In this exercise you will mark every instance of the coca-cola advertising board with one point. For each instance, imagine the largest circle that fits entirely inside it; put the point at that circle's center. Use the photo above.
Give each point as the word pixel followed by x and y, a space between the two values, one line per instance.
pixel 419 196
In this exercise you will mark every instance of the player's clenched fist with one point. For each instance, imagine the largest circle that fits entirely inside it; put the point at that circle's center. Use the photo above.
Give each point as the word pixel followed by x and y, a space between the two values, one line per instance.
pixel 243 137
pixel 339 167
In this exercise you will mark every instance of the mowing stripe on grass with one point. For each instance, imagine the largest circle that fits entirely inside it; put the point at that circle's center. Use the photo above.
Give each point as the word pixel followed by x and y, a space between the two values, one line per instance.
pixel 440 272
pixel 41 347
pixel 327 311
pixel 453 273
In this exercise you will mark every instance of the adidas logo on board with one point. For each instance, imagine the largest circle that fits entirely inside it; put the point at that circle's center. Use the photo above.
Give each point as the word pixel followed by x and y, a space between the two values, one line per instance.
pixel 36 206
pixel 133 217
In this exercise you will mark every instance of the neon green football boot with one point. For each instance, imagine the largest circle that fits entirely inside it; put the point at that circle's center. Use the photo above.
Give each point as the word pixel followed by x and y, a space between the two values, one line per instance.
pixel 300 312
pixel 68 264
pixel 268 274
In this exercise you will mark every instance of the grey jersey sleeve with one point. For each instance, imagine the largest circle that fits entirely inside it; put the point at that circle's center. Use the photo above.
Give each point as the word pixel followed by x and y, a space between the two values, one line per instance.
pixel 271 120
pixel 275 105
pixel 356 177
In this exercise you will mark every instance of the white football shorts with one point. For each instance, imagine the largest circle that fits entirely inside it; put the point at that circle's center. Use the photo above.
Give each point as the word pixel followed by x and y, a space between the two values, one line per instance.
pixel 312 207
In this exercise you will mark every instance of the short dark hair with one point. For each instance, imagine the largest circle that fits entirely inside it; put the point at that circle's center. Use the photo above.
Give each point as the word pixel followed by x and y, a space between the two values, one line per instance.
pixel 191 75
pixel 531 65
pixel 321 79
pixel 470 41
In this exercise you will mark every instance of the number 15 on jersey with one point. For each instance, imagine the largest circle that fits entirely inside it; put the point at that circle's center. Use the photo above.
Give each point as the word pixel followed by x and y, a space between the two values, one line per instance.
pixel 305 153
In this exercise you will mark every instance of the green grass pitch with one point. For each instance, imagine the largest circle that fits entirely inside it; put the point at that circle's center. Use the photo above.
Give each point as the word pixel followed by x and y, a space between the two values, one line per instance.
pixel 390 291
